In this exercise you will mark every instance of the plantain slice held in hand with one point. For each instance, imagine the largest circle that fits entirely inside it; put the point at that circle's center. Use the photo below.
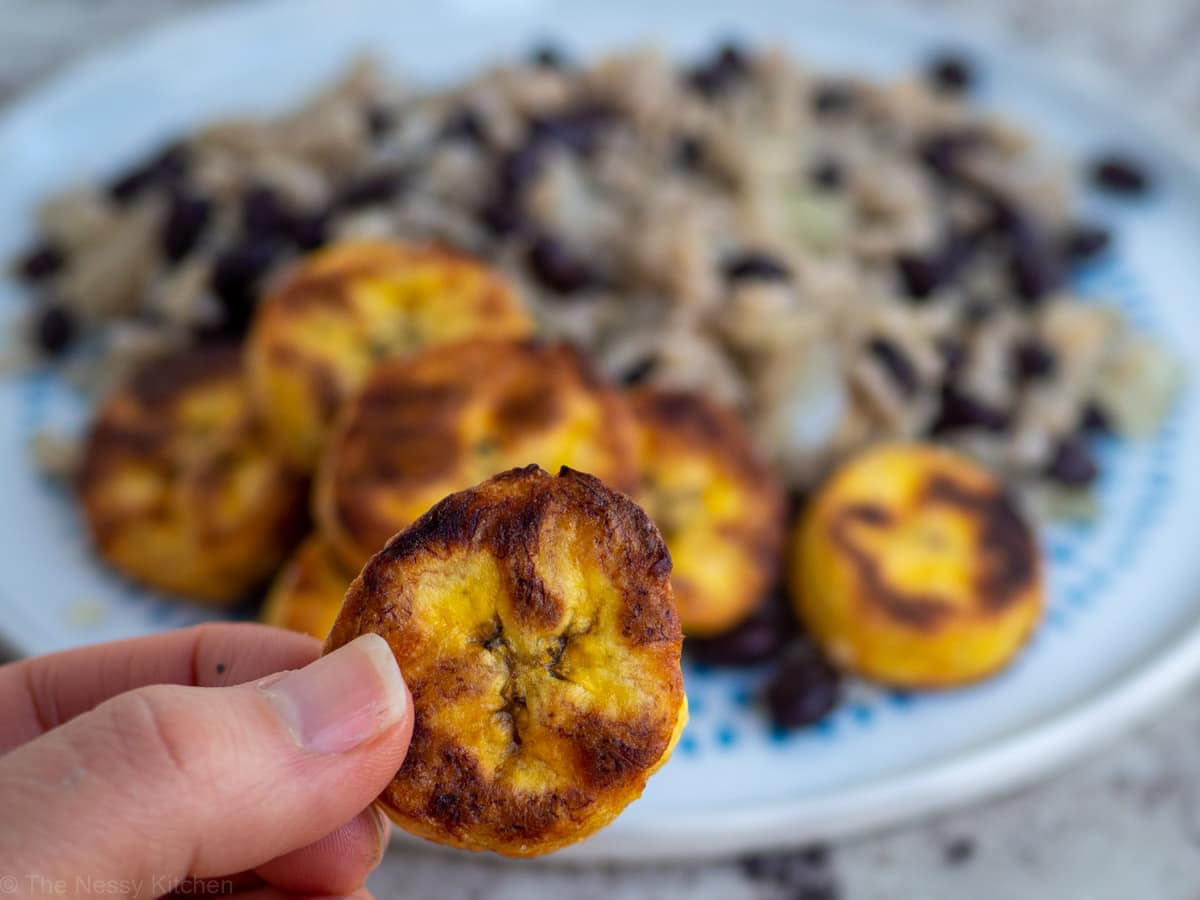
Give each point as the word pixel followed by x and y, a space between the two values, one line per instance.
pixel 180 487
pixel 532 618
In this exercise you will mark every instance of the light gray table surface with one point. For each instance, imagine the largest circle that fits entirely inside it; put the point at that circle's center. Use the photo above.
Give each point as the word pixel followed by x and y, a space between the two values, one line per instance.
pixel 1121 824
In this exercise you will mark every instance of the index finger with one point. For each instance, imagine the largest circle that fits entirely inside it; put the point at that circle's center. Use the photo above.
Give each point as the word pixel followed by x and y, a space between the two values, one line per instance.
pixel 39 694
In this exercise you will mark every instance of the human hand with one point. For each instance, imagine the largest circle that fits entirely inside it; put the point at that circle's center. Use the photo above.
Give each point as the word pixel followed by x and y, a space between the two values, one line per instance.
pixel 182 763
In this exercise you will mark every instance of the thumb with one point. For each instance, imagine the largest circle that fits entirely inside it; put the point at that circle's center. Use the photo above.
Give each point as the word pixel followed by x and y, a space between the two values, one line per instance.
pixel 166 781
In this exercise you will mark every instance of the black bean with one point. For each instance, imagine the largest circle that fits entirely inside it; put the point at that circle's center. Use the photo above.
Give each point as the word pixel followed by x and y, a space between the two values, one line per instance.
pixel 920 276
pixel 959 851
pixel 1034 271
pixel 976 312
pixel 828 175
pixel 805 688
pixel 896 362
pixel 1072 463
pixel 40 262
pixel 832 99
pixel 54 330
pixel 1120 175
pixel 379 121
pixel 728 66
pixel 951 72
pixel 638 372
pixel 959 411
pixel 167 167
pixel 547 55
pixel 689 152
pixel 1095 420
pixel 310 230
pixel 557 267
pixel 756 640
pixel 579 130
pixel 1034 359
pixel 376 188
pixel 264 211
pixel 954 356
pixel 943 152
pixel 464 125
pixel 807 865
pixel 236 275
pixel 520 167
pixel 1084 242
pixel 503 214
pixel 756 265
pixel 187 218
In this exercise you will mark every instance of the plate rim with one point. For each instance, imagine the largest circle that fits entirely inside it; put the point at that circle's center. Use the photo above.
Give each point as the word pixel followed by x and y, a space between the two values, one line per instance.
pixel 966 777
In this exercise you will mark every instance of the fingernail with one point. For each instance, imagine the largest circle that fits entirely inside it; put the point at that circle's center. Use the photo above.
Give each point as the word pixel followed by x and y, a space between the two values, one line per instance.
pixel 342 700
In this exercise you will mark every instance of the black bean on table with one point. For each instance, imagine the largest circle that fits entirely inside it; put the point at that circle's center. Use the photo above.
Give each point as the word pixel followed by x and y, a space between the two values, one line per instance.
pixel 40 262
pixel 187 218
pixel 804 689
pixel 951 72
pixel 168 167
pixel 1085 242
pixel 1120 175
pixel 756 265
pixel 557 267
pixel 54 330
pixel 1072 463
pixel 896 362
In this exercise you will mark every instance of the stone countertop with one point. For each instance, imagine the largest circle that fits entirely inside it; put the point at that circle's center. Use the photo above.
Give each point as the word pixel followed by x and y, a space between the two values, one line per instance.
pixel 1123 824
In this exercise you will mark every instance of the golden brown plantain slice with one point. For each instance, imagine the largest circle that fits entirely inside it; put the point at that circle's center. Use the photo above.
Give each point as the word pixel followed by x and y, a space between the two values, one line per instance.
pixel 720 509
pixel 532 619
pixel 913 566
pixel 317 335
pixel 436 423
pixel 307 593
pixel 180 486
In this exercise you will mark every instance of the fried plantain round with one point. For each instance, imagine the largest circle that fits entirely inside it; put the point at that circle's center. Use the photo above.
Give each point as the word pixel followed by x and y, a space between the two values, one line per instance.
pixel 913 566
pixel 339 312
pixel 307 593
pixel 719 507
pixel 180 486
pixel 427 426
pixel 532 618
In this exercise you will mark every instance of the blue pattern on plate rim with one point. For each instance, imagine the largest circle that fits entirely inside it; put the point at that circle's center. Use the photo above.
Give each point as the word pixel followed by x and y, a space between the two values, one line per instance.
pixel 724 704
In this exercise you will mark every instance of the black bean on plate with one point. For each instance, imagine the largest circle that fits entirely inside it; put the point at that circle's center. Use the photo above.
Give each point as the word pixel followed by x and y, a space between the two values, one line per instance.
pixel 557 267
pixel 165 168
pixel 1095 420
pixel 638 372
pixel 186 220
pixel 310 230
pixel 379 120
pixel 896 363
pixel 503 214
pixel 1119 174
pixel 960 411
pixel 1072 463
pixel 1034 359
pixel 369 190
pixel 920 275
pixel 689 152
pixel 828 174
pixel 519 167
pixel 1034 271
pixel 464 124
pixel 579 129
pixel 954 355
pixel 804 689
pixel 236 276
pixel 54 330
pixel 40 262
pixel 756 640
pixel 756 265
pixel 265 211
pixel 727 66
pixel 951 71
pixel 548 55
pixel 1085 242
pixel 830 99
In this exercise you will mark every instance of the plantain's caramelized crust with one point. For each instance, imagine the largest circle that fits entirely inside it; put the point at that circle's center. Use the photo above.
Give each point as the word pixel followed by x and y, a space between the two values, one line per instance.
pixel 533 621
pixel 179 485
pixel 307 593
pixel 317 335
pixel 448 418
pixel 719 507
pixel 914 566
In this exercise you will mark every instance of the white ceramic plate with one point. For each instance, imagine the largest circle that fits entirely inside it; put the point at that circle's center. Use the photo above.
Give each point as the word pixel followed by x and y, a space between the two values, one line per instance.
pixel 1122 629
